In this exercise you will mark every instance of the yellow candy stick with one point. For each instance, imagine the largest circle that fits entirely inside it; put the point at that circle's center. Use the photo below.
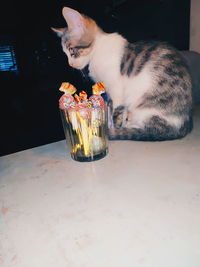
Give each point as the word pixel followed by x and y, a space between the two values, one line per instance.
pixel 86 134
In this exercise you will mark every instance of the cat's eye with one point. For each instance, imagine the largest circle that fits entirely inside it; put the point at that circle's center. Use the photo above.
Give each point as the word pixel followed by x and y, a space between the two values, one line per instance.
pixel 73 51
pixel 76 50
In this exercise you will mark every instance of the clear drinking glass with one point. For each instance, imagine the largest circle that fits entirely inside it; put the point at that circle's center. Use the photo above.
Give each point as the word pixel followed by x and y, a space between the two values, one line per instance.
pixel 86 136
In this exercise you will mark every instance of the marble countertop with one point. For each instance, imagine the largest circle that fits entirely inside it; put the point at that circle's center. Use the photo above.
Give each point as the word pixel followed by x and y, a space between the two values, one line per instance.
pixel 137 207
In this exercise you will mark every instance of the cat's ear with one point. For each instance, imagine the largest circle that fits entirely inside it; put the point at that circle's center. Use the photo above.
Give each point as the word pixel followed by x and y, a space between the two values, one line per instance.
pixel 59 31
pixel 74 19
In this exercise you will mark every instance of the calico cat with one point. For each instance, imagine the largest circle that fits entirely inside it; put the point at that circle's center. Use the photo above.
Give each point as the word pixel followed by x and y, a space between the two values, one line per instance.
pixel 148 82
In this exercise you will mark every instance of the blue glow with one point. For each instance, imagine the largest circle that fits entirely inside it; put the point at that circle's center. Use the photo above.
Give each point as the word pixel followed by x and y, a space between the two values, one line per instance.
pixel 7 58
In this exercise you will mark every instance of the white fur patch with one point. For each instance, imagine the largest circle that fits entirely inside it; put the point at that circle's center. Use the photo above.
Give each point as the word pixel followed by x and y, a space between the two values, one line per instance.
pixel 105 66
pixel 136 87
pixel 174 121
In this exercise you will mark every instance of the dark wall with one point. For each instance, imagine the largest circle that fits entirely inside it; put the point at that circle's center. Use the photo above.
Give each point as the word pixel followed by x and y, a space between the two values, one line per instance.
pixel 29 100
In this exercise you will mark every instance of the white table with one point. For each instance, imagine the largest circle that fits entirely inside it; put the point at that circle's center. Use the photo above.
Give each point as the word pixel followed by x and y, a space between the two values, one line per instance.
pixel 137 207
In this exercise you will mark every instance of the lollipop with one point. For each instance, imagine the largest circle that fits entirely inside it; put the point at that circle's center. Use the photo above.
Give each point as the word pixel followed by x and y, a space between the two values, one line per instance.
pixel 67 100
pixel 96 99
pixel 81 107
pixel 97 104
pixel 84 100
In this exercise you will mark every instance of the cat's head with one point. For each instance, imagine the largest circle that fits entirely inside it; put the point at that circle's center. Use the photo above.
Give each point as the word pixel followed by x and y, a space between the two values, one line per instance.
pixel 78 37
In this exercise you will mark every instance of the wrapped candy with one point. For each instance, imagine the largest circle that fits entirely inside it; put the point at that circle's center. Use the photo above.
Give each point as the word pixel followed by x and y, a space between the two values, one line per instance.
pixel 98 88
pixel 81 106
pixel 96 98
pixel 67 100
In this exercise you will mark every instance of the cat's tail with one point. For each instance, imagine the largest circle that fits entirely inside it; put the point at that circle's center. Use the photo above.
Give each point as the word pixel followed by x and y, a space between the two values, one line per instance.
pixel 156 129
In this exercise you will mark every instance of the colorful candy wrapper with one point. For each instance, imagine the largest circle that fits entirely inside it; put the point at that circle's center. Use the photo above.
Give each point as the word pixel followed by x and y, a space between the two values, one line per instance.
pixel 97 104
pixel 83 110
pixel 89 103
pixel 67 88
pixel 96 98
pixel 67 100
pixel 97 101
pixel 81 105
pixel 98 88
pixel 77 99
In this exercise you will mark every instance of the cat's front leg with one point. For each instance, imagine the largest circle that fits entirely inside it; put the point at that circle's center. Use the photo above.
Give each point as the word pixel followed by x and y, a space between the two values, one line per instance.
pixel 120 117
pixel 123 118
pixel 114 110
pixel 116 117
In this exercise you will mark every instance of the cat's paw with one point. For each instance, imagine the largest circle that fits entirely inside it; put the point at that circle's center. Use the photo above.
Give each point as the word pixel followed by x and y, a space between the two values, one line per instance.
pixel 118 116
pixel 111 133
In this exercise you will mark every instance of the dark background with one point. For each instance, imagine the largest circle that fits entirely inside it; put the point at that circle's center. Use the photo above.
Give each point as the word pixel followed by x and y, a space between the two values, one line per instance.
pixel 29 99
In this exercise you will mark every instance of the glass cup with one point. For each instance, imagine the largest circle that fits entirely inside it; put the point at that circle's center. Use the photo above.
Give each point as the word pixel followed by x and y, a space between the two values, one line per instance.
pixel 86 132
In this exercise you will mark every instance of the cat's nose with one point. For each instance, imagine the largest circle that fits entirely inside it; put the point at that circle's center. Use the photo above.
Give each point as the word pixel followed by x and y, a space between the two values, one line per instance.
pixel 71 64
